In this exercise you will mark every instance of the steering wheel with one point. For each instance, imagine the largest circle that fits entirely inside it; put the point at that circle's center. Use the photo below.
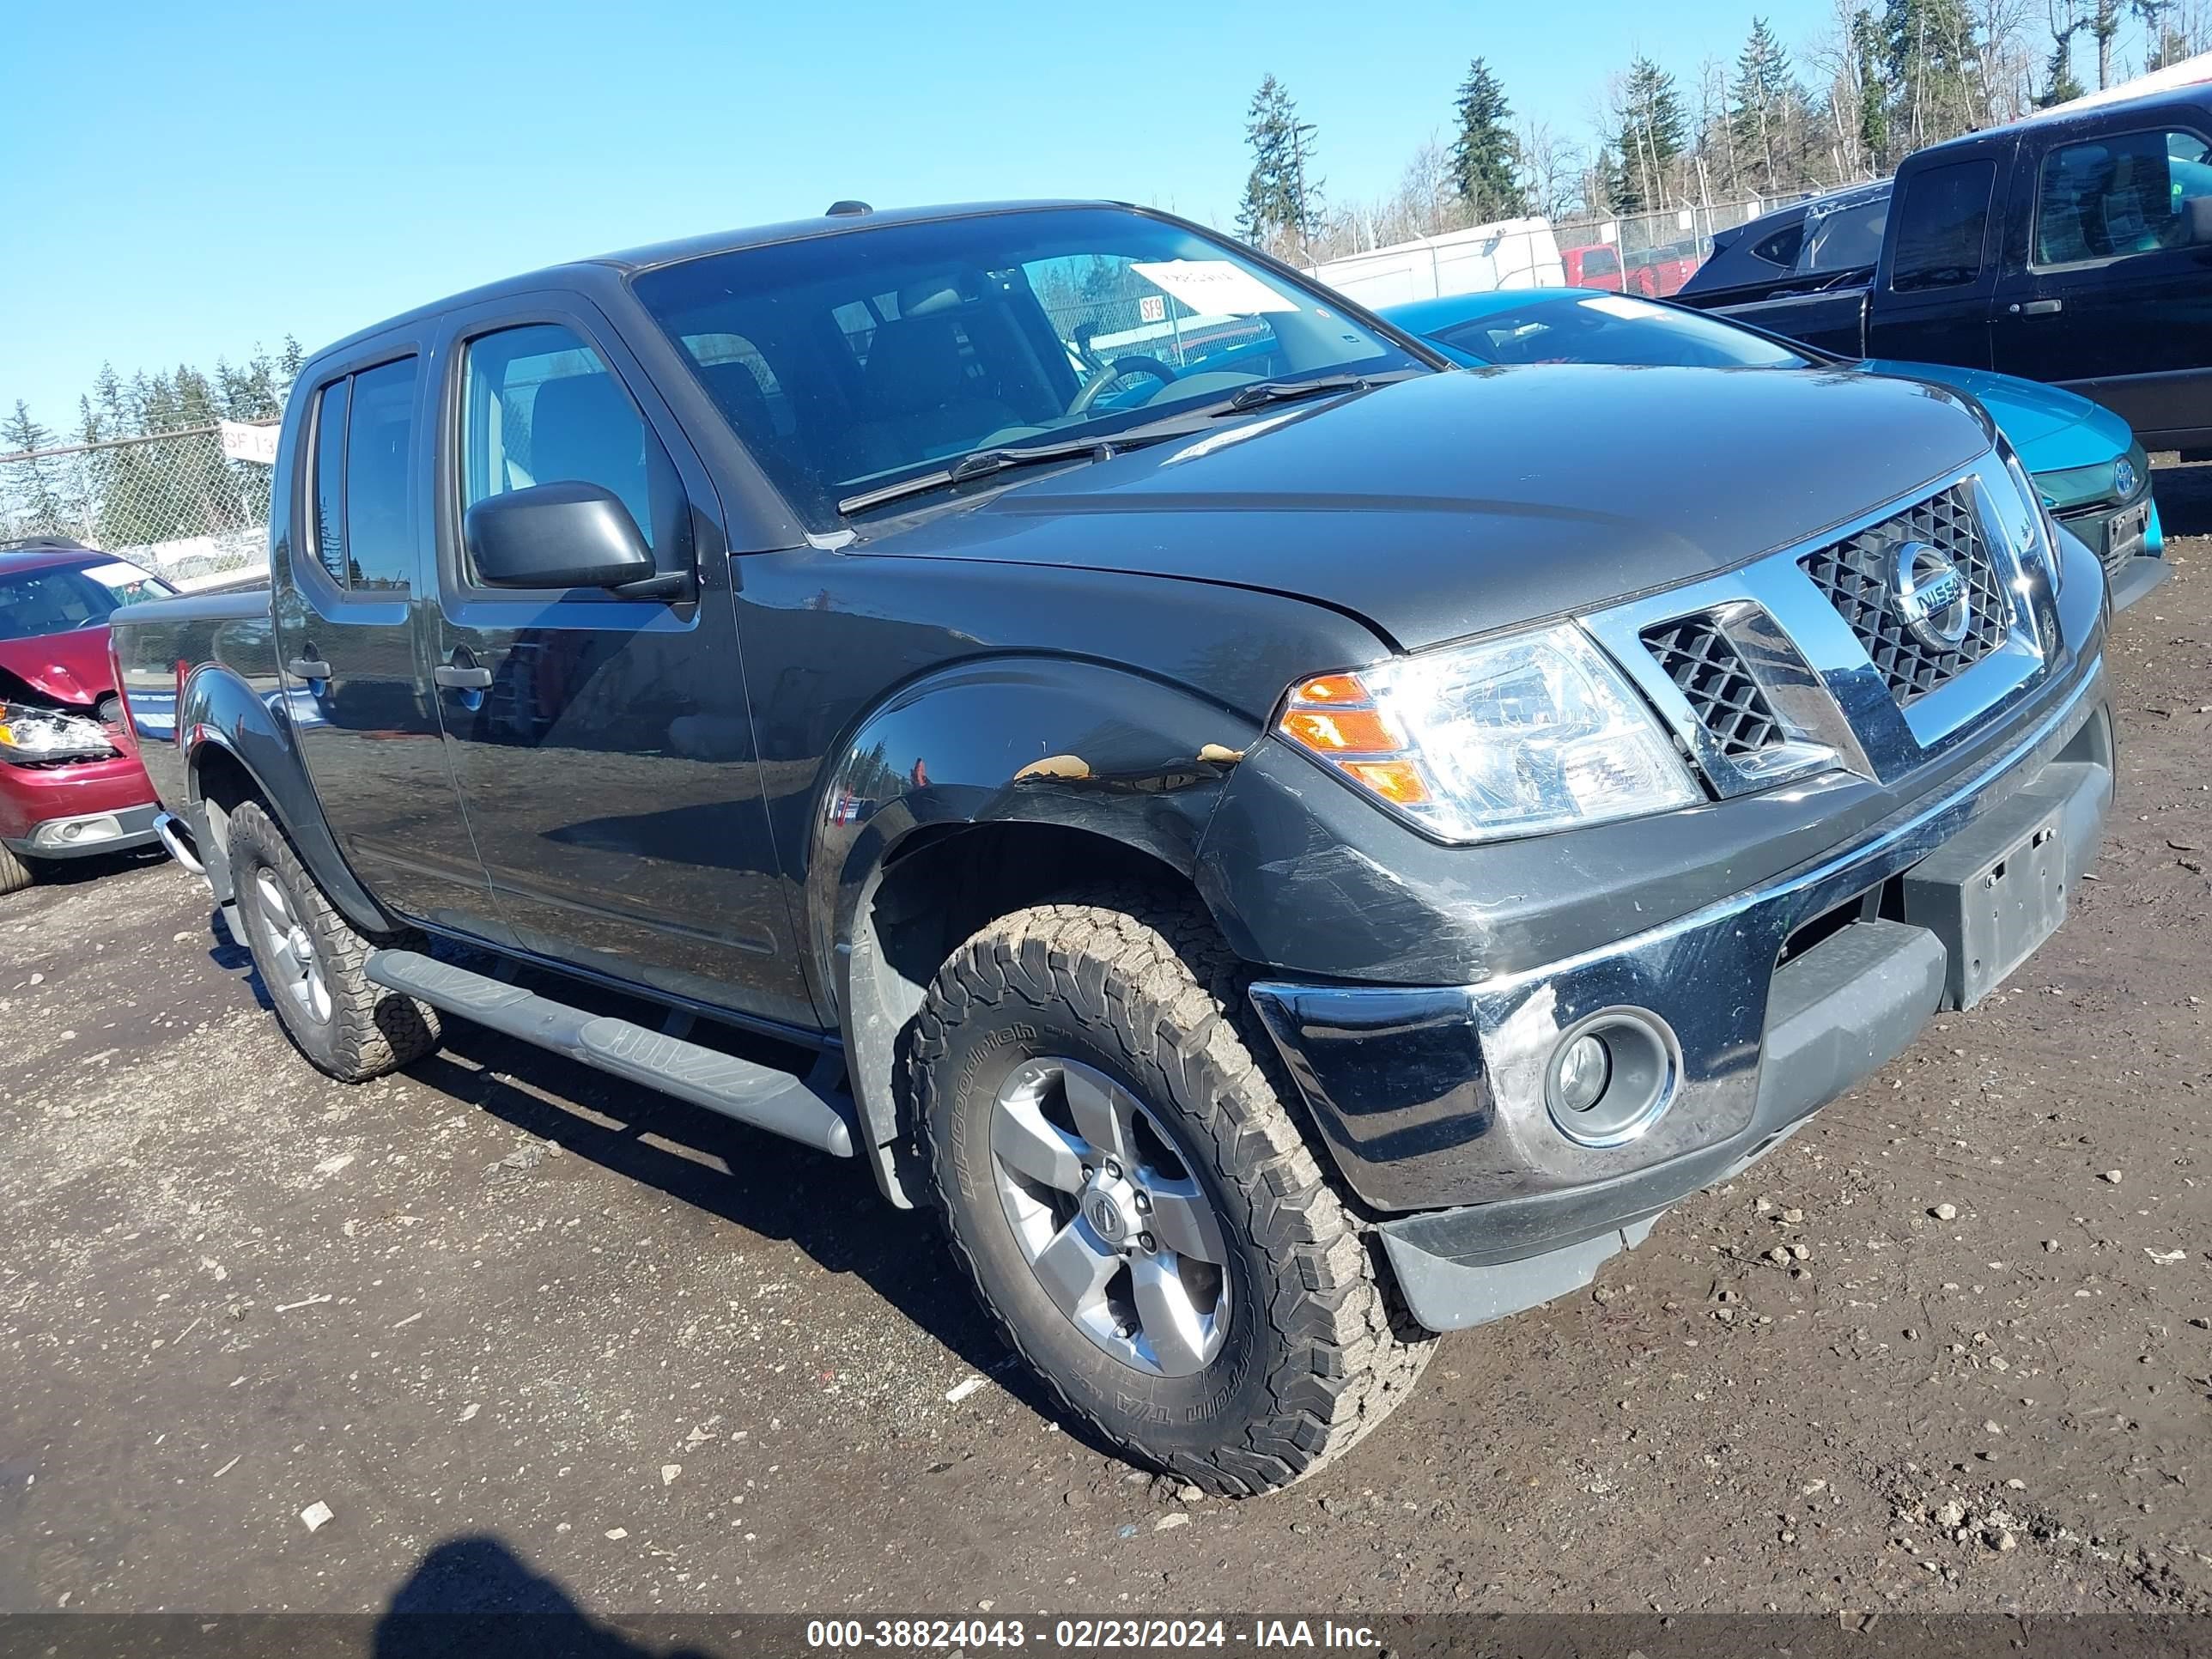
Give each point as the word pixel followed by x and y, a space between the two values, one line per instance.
pixel 1120 369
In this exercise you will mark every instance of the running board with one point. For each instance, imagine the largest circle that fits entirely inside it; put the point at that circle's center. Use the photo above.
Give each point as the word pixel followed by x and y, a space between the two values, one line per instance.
pixel 759 1095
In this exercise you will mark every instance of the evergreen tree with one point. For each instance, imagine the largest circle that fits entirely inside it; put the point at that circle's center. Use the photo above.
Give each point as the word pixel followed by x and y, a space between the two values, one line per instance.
pixel 1928 48
pixel 1872 115
pixel 1764 111
pixel 33 499
pixel 1654 133
pixel 2060 83
pixel 1282 194
pixel 1485 160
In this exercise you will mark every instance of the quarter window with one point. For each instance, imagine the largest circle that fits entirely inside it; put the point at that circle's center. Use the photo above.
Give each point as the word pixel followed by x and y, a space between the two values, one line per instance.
pixel 364 527
pixel 1942 219
pixel 543 407
pixel 2111 197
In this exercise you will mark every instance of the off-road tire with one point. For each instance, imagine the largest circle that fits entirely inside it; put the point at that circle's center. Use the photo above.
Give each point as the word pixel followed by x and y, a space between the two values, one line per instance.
pixel 370 1030
pixel 1140 986
pixel 16 874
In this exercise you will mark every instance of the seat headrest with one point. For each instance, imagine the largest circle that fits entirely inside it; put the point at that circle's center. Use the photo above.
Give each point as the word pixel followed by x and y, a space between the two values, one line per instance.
pixel 582 427
pixel 913 364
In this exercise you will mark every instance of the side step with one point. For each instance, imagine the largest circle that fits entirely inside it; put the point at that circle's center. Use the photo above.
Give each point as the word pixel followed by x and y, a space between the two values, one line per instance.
pixel 759 1095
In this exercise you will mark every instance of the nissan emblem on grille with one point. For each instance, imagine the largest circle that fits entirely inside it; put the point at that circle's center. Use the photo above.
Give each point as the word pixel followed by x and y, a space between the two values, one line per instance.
pixel 1931 597
pixel 1922 590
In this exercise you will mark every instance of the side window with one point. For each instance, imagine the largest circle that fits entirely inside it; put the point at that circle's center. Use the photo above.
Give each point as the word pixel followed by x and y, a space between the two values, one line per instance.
pixel 1780 248
pixel 1601 262
pixel 1942 220
pixel 379 539
pixel 330 480
pixel 1847 239
pixel 541 406
pixel 2109 198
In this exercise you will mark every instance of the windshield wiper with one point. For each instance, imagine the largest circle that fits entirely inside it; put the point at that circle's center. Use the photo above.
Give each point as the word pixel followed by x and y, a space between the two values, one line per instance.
pixel 978 464
pixel 1283 391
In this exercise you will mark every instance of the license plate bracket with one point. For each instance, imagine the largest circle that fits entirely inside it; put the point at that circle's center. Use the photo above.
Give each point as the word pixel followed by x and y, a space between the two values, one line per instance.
pixel 2123 540
pixel 1992 894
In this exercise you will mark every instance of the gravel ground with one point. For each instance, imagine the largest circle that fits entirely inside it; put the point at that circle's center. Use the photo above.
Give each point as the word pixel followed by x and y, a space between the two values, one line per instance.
pixel 516 1326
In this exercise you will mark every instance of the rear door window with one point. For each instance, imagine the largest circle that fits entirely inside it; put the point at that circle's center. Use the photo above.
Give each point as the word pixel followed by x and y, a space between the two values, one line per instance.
pixel 2112 198
pixel 1942 223
pixel 379 443
pixel 361 484
pixel 329 479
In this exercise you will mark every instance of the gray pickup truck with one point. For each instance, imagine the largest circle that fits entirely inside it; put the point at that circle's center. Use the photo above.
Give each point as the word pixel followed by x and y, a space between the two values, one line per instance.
pixel 1288 845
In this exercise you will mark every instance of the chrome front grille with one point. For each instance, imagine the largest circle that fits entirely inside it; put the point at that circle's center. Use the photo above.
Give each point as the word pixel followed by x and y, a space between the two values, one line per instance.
pixel 1801 660
pixel 1723 696
pixel 1857 576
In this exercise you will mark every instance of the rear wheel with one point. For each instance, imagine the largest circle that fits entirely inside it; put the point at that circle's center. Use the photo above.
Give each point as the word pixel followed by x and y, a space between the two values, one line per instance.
pixel 1125 1187
pixel 14 874
pixel 310 959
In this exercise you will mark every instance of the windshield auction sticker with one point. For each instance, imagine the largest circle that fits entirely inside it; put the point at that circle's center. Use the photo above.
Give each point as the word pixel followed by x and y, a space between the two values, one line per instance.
pixel 1215 288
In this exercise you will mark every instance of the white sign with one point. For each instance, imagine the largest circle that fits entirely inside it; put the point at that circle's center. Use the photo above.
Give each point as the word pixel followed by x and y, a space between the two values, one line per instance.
pixel 241 442
pixel 1151 308
pixel 1215 285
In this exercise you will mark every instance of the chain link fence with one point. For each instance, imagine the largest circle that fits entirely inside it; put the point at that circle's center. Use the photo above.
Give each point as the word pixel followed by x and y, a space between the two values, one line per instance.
pixel 1654 253
pixel 174 503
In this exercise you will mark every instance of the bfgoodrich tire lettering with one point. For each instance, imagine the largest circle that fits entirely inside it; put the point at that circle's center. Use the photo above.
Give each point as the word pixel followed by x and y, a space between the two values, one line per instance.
pixel 355 1029
pixel 1138 988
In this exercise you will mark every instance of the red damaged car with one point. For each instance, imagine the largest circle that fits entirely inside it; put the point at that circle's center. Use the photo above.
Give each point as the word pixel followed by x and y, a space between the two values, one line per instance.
pixel 70 783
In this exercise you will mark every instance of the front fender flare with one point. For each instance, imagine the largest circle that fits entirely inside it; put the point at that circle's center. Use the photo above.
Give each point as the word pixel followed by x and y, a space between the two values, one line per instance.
pixel 217 709
pixel 1056 741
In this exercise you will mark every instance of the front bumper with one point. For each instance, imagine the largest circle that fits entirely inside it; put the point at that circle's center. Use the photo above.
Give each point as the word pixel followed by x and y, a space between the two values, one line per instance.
pixel 108 802
pixel 1436 1100
pixel 2128 541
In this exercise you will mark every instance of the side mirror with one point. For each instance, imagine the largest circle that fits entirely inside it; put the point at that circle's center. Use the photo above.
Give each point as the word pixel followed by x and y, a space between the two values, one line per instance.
pixel 569 534
pixel 2198 210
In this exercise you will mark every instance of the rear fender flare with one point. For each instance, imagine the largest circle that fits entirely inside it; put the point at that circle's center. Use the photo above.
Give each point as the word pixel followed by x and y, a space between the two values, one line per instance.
pixel 218 710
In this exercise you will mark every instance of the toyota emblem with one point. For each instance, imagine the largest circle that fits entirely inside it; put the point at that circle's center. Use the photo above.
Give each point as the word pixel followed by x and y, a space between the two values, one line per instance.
pixel 1930 597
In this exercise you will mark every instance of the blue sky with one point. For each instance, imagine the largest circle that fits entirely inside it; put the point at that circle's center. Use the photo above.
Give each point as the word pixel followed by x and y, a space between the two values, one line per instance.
pixel 183 182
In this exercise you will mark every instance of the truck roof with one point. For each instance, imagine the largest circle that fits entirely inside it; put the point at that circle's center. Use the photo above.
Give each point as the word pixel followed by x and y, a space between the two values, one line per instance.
pixel 628 261
pixel 2197 96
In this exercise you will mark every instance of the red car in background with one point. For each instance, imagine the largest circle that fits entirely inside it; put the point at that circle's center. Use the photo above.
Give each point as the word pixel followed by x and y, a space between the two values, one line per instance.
pixel 1654 275
pixel 70 782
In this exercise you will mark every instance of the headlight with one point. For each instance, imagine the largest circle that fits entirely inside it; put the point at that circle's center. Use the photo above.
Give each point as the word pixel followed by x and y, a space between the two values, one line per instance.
pixel 1509 737
pixel 2028 526
pixel 49 734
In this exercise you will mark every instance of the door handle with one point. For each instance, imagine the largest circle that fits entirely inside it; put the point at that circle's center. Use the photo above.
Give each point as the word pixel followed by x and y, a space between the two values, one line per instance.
pixel 455 676
pixel 307 668
pixel 2037 309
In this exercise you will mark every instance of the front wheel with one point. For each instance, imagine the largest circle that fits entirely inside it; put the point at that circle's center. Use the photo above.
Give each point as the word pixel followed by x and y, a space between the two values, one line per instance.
pixel 1124 1185
pixel 15 874
pixel 310 959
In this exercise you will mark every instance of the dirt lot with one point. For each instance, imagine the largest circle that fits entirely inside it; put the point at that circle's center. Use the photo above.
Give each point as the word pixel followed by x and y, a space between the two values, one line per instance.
pixel 519 1326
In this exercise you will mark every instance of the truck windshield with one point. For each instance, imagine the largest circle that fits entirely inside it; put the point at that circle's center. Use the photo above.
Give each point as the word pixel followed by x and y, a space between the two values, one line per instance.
pixel 61 599
pixel 850 362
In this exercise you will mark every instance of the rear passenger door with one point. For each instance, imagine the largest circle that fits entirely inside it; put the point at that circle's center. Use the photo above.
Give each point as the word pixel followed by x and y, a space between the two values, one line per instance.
pixel 1936 283
pixel 601 744
pixel 2112 292
pixel 354 569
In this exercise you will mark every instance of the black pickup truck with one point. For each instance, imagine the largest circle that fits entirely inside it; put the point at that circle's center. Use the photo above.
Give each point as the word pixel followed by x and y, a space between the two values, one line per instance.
pixel 2074 249
pixel 1279 841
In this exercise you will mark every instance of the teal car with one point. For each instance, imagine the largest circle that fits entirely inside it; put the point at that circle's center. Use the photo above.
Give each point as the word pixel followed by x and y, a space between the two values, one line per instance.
pixel 2094 475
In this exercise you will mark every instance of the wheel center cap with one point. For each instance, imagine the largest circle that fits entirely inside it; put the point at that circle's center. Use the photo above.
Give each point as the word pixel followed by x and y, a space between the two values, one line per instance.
pixel 1105 1216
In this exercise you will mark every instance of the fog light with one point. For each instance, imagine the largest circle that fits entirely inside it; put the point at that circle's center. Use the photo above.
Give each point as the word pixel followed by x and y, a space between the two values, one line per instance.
pixel 1584 1070
pixel 1613 1075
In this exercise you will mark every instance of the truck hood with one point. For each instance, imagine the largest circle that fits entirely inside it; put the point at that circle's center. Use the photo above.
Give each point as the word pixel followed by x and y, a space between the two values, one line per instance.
pixel 71 668
pixel 1461 501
